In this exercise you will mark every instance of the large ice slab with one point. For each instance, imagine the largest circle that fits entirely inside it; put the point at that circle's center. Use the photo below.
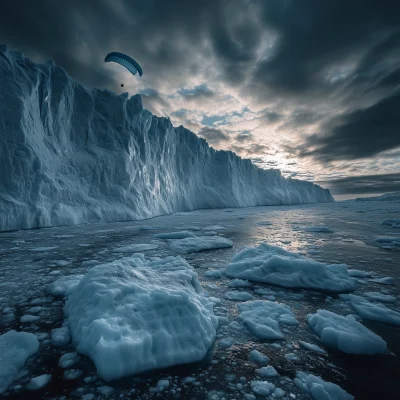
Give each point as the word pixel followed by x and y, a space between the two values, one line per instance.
pixel 345 333
pixel 133 315
pixel 15 349
pixel 277 266
pixel 76 155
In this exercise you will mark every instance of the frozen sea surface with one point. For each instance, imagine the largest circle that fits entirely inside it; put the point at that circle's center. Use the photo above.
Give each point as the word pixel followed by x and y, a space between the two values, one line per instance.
pixel 31 260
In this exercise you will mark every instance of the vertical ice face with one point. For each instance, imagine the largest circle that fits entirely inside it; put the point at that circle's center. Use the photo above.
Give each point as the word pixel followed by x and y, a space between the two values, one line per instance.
pixel 70 155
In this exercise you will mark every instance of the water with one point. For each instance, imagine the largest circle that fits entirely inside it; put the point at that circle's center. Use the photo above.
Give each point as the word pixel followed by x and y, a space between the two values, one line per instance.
pixel 25 271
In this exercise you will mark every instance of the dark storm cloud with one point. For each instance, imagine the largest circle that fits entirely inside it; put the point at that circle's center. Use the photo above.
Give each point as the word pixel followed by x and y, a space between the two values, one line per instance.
pixel 314 35
pixel 360 134
pixel 364 184
pixel 308 53
pixel 213 136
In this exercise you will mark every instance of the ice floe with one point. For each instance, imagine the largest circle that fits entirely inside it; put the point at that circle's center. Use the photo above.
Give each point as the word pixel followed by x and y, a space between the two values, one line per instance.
pixel 345 333
pixel 275 265
pixel 63 286
pixel 319 389
pixel 133 315
pixel 194 244
pixel 263 317
pixel 15 349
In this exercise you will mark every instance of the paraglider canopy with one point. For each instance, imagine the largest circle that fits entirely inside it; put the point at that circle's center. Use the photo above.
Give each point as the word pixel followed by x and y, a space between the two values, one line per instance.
pixel 129 63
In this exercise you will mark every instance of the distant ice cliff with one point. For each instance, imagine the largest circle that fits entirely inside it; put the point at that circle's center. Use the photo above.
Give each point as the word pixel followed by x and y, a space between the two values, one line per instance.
pixel 70 155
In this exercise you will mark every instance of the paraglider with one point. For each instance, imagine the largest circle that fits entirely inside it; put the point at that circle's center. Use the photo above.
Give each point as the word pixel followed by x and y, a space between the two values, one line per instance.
pixel 122 59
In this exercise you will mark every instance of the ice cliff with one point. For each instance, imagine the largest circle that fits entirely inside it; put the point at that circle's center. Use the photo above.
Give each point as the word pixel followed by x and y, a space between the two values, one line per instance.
pixel 70 155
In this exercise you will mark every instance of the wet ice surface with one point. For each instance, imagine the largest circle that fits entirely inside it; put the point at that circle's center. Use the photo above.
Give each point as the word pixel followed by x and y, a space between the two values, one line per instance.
pixel 30 260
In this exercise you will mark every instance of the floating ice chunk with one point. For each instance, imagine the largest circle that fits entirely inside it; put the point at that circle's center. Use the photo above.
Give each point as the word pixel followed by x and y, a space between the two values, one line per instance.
pixel 357 273
pixel 263 317
pixel 238 283
pixel 394 223
pixel 312 347
pixel 214 228
pixel 191 245
pixel 60 337
pixel 345 333
pixel 71 374
pixel 105 390
pixel 64 286
pixel 62 263
pixel 15 349
pixel 319 389
pixel 262 388
pixel 238 296
pixel 373 311
pixel 213 273
pixel 277 266
pixel 388 241
pixel 258 357
pixel 38 382
pixel 162 384
pixel 68 360
pixel 225 343
pixel 175 235
pixel 387 280
pixel 291 357
pixel 43 248
pixel 133 315
pixel 134 248
pixel 267 372
pixel 384 298
pixel 317 229
pixel 26 319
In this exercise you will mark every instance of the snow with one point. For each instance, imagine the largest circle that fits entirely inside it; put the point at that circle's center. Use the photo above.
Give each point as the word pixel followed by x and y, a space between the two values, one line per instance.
pixel 97 156
pixel 133 315
pixel 345 333
pixel 15 349
pixel 258 357
pixel 63 286
pixel 384 298
pixel 267 372
pixel 238 296
pixel 263 317
pixel 191 245
pixel 275 265
pixel 319 389
pixel 373 311
pixel 38 382
pixel 312 347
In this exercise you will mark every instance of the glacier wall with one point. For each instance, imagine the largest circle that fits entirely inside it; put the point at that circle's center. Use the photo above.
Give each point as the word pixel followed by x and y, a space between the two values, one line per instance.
pixel 71 155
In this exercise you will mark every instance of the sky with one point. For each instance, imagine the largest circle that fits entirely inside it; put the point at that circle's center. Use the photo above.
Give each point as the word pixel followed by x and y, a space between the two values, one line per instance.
pixel 311 87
